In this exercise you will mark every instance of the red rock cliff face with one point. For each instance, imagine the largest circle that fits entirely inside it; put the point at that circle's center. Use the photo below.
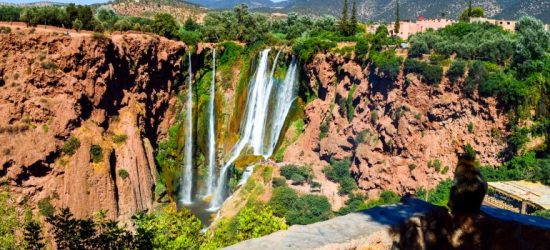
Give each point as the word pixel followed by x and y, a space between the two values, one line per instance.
pixel 405 125
pixel 98 90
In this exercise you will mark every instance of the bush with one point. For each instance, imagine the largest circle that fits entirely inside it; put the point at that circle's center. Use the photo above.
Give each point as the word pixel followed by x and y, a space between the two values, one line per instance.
pixel 282 200
pixel 470 128
pixel 387 63
pixel 123 174
pixel 362 49
pixel 120 138
pixel 431 74
pixel 306 48
pixel 309 209
pixel 165 25
pixel 296 173
pixel 456 70
pixel 278 182
pixel 45 207
pixel 97 153
pixel 440 196
pixel 338 172
pixel 297 179
pixel 71 145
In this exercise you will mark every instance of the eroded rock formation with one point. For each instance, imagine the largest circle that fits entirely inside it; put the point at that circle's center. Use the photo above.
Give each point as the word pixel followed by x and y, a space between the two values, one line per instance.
pixel 114 92
pixel 402 134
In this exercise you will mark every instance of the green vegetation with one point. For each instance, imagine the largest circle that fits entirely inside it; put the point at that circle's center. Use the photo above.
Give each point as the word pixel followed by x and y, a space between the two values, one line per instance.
pixel 9 221
pixel 357 202
pixel 429 73
pixel 299 175
pixel 301 210
pixel 338 171
pixel 387 63
pixel 255 220
pixel 123 174
pixel 96 153
pixel 71 145
pixel 120 138
pixel 456 70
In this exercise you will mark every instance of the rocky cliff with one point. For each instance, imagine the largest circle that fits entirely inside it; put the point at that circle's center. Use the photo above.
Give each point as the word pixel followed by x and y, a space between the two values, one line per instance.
pixel 113 94
pixel 400 135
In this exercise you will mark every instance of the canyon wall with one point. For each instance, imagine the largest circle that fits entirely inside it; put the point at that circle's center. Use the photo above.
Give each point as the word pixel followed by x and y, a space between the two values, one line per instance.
pixel 401 135
pixel 114 93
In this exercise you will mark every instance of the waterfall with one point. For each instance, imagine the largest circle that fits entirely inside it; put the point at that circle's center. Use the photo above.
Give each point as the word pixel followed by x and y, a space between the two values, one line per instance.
pixel 211 133
pixel 187 178
pixel 285 97
pixel 257 116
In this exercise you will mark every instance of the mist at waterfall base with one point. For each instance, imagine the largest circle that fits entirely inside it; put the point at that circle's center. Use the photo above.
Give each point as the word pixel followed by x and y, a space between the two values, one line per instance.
pixel 267 105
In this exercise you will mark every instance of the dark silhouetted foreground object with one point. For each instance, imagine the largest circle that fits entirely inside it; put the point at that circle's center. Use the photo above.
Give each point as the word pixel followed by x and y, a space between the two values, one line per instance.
pixel 468 188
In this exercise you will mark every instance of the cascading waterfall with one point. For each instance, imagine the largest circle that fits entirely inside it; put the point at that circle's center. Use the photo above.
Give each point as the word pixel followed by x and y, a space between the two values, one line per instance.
pixel 211 179
pixel 187 178
pixel 285 97
pixel 256 118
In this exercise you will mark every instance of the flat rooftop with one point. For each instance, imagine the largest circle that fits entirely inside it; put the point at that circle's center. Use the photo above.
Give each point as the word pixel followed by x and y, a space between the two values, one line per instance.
pixel 533 192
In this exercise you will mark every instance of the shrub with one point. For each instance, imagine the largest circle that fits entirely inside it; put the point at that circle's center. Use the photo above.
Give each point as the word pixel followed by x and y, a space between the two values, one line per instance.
pixel 123 174
pixel 362 48
pixel 469 151
pixel 315 184
pixel 374 117
pixel 45 207
pixel 387 63
pixel 445 170
pixel 542 213
pixel 440 196
pixel 431 74
pixel 49 65
pixel 96 153
pixel 456 70
pixel 361 136
pixel 338 171
pixel 435 164
pixel 297 179
pixel 306 48
pixel 289 171
pixel 5 30
pixel 120 138
pixel 412 167
pixel 323 130
pixel 470 128
pixel 282 199
pixel 71 145
pixel 278 182
pixel 309 209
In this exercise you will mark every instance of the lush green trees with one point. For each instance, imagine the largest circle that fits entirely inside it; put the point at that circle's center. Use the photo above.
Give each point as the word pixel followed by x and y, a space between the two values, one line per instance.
pixel 240 25
pixel 387 63
pixel 165 25
pixel 471 12
pixel 532 46
pixel 254 220
pixel 305 48
pixel 10 13
pixel 309 209
pixel 301 210
pixel 9 220
pixel 170 229
pixel 457 70
pixel 430 73
pixel 338 171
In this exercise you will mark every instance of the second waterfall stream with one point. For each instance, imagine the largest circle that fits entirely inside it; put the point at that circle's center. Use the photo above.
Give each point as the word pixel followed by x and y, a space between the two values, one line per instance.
pixel 268 103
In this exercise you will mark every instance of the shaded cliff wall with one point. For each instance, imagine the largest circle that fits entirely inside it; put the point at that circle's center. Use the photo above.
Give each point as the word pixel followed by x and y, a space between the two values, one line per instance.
pixel 113 92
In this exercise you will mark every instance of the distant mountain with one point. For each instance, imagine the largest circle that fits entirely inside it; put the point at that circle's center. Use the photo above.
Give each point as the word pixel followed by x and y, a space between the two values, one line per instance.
pixel 384 10
pixel 228 4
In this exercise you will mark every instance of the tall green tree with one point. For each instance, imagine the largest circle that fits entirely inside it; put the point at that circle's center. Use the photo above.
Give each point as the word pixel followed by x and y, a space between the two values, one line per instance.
pixel 33 236
pixel 353 20
pixel 344 22
pixel 397 19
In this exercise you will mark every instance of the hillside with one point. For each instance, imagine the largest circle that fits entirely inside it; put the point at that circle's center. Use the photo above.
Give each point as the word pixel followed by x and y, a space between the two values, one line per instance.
pixel 384 10
pixel 180 10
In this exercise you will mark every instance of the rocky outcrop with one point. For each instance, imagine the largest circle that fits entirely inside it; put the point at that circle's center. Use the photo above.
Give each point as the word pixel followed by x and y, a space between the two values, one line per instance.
pixel 412 224
pixel 402 134
pixel 112 92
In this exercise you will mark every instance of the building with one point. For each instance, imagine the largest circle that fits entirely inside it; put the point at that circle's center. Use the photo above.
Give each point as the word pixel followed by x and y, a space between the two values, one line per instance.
pixel 505 24
pixel 408 28
pixel 518 196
